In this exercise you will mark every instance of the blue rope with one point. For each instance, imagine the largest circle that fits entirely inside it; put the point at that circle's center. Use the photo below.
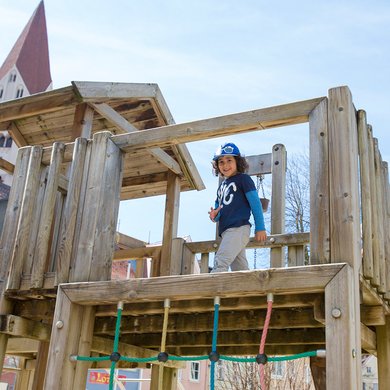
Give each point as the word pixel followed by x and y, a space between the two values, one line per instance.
pixel 214 344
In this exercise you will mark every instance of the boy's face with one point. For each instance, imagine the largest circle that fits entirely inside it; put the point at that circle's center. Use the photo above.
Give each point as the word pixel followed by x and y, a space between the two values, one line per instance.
pixel 227 165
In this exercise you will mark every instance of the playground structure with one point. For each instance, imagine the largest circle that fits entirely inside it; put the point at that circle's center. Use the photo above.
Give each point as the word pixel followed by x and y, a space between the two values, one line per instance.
pixel 88 146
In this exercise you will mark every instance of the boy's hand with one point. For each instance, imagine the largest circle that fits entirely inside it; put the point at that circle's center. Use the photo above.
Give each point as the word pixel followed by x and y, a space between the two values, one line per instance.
pixel 261 235
pixel 213 213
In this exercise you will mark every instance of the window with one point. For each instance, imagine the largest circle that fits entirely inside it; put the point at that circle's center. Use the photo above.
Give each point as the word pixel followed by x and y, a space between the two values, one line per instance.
pixel 12 77
pixel 278 370
pixel 1 92
pixel 19 92
pixel 195 371
pixel 8 142
pixel 2 141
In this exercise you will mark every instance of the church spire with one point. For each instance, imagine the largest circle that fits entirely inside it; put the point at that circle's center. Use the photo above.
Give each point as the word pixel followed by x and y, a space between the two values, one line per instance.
pixel 29 58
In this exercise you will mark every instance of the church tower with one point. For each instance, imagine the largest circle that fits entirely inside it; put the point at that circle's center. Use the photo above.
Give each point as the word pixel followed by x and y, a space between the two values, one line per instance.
pixel 25 71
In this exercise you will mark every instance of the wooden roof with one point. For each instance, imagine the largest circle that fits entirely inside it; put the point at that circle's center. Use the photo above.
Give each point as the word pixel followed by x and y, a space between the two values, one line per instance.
pixel 85 108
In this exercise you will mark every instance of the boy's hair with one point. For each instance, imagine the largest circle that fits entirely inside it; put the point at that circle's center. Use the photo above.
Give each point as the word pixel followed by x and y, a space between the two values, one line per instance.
pixel 242 165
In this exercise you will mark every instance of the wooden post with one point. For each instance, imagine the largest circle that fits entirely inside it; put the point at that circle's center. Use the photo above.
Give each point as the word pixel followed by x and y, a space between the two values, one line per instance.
pixel 278 201
pixel 64 341
pixel 343 357
pixel 98 226
pixel 345 239
pixel 385 174
pixel 383 350
pixel 41 363
pixel 365 188
pixel 380 209
pixel 69 217
pixel 319 185
pixel 375 281
pixel 169 378
pixel 82 121
pixel 167 266
pixel 46 218
pixel 20 251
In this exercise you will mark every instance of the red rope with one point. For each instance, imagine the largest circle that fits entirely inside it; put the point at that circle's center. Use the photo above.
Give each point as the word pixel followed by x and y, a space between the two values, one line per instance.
pixel 263 338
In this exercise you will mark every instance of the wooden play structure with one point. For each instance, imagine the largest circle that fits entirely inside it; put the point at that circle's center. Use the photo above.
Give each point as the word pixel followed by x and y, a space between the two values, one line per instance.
pixel 85 147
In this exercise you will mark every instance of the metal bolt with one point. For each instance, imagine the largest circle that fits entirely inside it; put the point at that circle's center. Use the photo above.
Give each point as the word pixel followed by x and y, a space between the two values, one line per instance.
pixel 59 324
pixel 336 313
pixel 354 353
pixel 215 245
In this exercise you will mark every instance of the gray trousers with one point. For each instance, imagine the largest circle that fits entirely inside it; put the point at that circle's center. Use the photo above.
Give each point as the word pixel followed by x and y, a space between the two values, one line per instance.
pixel 231 251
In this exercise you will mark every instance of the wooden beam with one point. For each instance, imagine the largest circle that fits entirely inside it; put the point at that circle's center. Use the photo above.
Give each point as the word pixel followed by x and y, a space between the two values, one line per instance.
pixel 137 253
pixel 82 121
pixel 98 91
pixel 17 345
pixel 283 115
pixel 122 124
pixel 273 241
pixel 16 135
pixel 22 327
pixel 7 166
pixel 229 321
pixel 368 339
pixel 372 315
pixel 41 103
pixel 226 338
pixel 308 279
pixel 105 346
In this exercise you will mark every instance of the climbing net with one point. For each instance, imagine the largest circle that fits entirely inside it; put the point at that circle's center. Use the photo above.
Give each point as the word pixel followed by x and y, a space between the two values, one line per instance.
pixel 162 357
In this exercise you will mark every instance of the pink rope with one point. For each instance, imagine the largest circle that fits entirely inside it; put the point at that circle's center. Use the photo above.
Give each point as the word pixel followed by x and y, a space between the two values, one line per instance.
pixel 262 342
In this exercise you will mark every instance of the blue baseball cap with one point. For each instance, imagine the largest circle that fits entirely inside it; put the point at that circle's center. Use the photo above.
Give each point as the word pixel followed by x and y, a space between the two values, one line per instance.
pixel 228 149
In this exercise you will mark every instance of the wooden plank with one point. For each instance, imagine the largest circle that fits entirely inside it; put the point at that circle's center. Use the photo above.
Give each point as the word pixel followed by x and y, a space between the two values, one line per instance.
pixel 296 255
pixel 122 124
pixel 137 253
pixel 83 257
pixel 108 209
pixel 22 327
pixel 319 185
pixel 365 190
pixel 225 284
pixel 6 166
pixel 36 217
pixel 82 121
pixel 21 345
pixel 372 315
pixel 386 194
pixel 203 322
pixel 278 201
pixel 171 220
pixel 188 261
pixel 383 346
pixel 96 91
pixel 69 217
pixel 260 164
pixel 342 324
pixel 24 227
pixel 46 220
pixel 16 135
pixel 104 346
pixel 261 119
pixel 273 240
pixel 204 262
pixel 37 104
pixel 12 213
pixel 375 281
pixel 379 205
pixel 249 337
pixel 124 241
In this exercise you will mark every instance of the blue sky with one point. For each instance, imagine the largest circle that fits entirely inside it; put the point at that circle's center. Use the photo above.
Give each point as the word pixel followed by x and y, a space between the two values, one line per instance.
pixel 213 58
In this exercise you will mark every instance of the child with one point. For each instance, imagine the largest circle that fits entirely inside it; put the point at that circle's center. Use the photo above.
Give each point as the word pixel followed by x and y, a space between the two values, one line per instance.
pixel 236 199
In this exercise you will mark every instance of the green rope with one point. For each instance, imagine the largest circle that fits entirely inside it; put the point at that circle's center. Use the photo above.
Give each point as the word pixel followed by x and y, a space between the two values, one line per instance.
pixel 188 358
pixel 270 359
pixel 138 360
pixel 93 359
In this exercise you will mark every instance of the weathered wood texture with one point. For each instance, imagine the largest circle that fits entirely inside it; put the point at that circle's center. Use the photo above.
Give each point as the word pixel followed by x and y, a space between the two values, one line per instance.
pixel 319 185
pixel 278 201
pixel 345 240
